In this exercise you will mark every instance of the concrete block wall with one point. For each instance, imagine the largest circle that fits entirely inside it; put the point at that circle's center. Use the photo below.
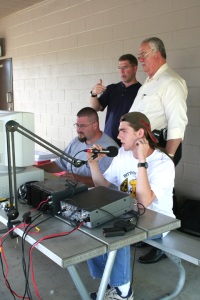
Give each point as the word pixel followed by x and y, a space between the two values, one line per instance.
pixel 61 48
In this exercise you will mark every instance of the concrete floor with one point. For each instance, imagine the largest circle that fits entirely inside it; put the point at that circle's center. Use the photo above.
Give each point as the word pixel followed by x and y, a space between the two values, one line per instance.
pixel 150 281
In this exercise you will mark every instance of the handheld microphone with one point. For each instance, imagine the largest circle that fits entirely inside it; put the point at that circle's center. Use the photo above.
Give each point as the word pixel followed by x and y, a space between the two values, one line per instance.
pixel 110 151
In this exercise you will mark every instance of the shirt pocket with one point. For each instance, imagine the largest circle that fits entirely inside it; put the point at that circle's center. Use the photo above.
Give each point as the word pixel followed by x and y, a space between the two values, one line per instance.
pixel 151 105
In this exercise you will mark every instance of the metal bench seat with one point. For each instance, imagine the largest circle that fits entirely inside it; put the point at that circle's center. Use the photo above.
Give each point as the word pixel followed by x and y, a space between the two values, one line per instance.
pixel 178 245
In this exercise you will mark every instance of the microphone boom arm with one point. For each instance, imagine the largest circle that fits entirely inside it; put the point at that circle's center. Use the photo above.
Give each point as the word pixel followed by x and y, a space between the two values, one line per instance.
pixel 11 127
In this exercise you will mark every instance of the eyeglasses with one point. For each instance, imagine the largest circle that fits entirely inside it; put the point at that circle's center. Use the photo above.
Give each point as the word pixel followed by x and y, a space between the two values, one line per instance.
pixel 82 125
pixel 144 55
pixel 124 67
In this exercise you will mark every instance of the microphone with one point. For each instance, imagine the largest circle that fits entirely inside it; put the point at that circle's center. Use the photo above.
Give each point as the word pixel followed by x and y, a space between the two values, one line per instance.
pixel 110 151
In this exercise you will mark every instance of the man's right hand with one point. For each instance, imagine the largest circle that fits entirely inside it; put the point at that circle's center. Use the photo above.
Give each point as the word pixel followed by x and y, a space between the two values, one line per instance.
pixel 98 88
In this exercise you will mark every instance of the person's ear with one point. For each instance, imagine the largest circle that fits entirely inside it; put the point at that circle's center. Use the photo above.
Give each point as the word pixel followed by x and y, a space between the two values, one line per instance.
pixel 157 55
pixel 135 68
pixel 95 125
pixel 141 133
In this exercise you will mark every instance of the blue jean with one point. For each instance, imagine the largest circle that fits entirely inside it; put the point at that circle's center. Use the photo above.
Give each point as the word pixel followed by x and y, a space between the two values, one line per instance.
pixel 121 272
pixel 155 237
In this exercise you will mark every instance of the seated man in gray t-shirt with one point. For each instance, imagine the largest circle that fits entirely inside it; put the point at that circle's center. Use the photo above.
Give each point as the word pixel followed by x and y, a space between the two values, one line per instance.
pixel 89 133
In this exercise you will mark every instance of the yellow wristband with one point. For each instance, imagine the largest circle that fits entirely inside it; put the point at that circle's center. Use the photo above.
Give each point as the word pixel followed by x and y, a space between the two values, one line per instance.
pixel 171 155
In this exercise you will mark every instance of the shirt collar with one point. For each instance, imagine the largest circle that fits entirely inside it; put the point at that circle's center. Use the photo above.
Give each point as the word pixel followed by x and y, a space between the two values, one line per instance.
pixel 157 74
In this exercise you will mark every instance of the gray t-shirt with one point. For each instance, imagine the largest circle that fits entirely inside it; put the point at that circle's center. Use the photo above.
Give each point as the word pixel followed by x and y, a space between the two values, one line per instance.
pixel 73 149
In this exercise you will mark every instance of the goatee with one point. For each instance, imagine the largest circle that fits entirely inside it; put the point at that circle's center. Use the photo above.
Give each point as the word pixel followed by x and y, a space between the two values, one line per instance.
pixel 82 140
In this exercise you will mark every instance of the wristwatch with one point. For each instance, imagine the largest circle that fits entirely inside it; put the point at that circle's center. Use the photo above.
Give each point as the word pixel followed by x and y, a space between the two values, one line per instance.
pixel 144 165
pixel 93 95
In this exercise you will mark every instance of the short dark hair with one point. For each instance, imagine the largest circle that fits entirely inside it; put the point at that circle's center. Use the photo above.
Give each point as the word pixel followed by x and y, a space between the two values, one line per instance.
pixel 88 112
pixel 156 44
pixel 131 58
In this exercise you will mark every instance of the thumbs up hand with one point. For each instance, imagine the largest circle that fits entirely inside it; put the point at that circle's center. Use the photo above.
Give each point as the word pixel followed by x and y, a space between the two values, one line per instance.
pixel 99 88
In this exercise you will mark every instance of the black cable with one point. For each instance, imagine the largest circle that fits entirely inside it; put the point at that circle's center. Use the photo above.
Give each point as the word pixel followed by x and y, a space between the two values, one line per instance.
pixel 86 163
pixel 6 280
pixel 45 239
pixel 72 168
pixel 3 230
pixel 136 215
pixel 23 201
pixel 134 256
pixel 2 266
pixel 26 268
pixel 143 207
pixel 57 236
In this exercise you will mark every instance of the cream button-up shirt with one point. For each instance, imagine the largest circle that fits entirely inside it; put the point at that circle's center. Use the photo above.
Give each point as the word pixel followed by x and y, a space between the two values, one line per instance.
pixel 162 99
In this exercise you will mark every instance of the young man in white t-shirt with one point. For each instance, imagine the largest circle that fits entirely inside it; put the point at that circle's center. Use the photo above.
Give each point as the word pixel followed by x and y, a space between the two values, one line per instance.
pixel 152 170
